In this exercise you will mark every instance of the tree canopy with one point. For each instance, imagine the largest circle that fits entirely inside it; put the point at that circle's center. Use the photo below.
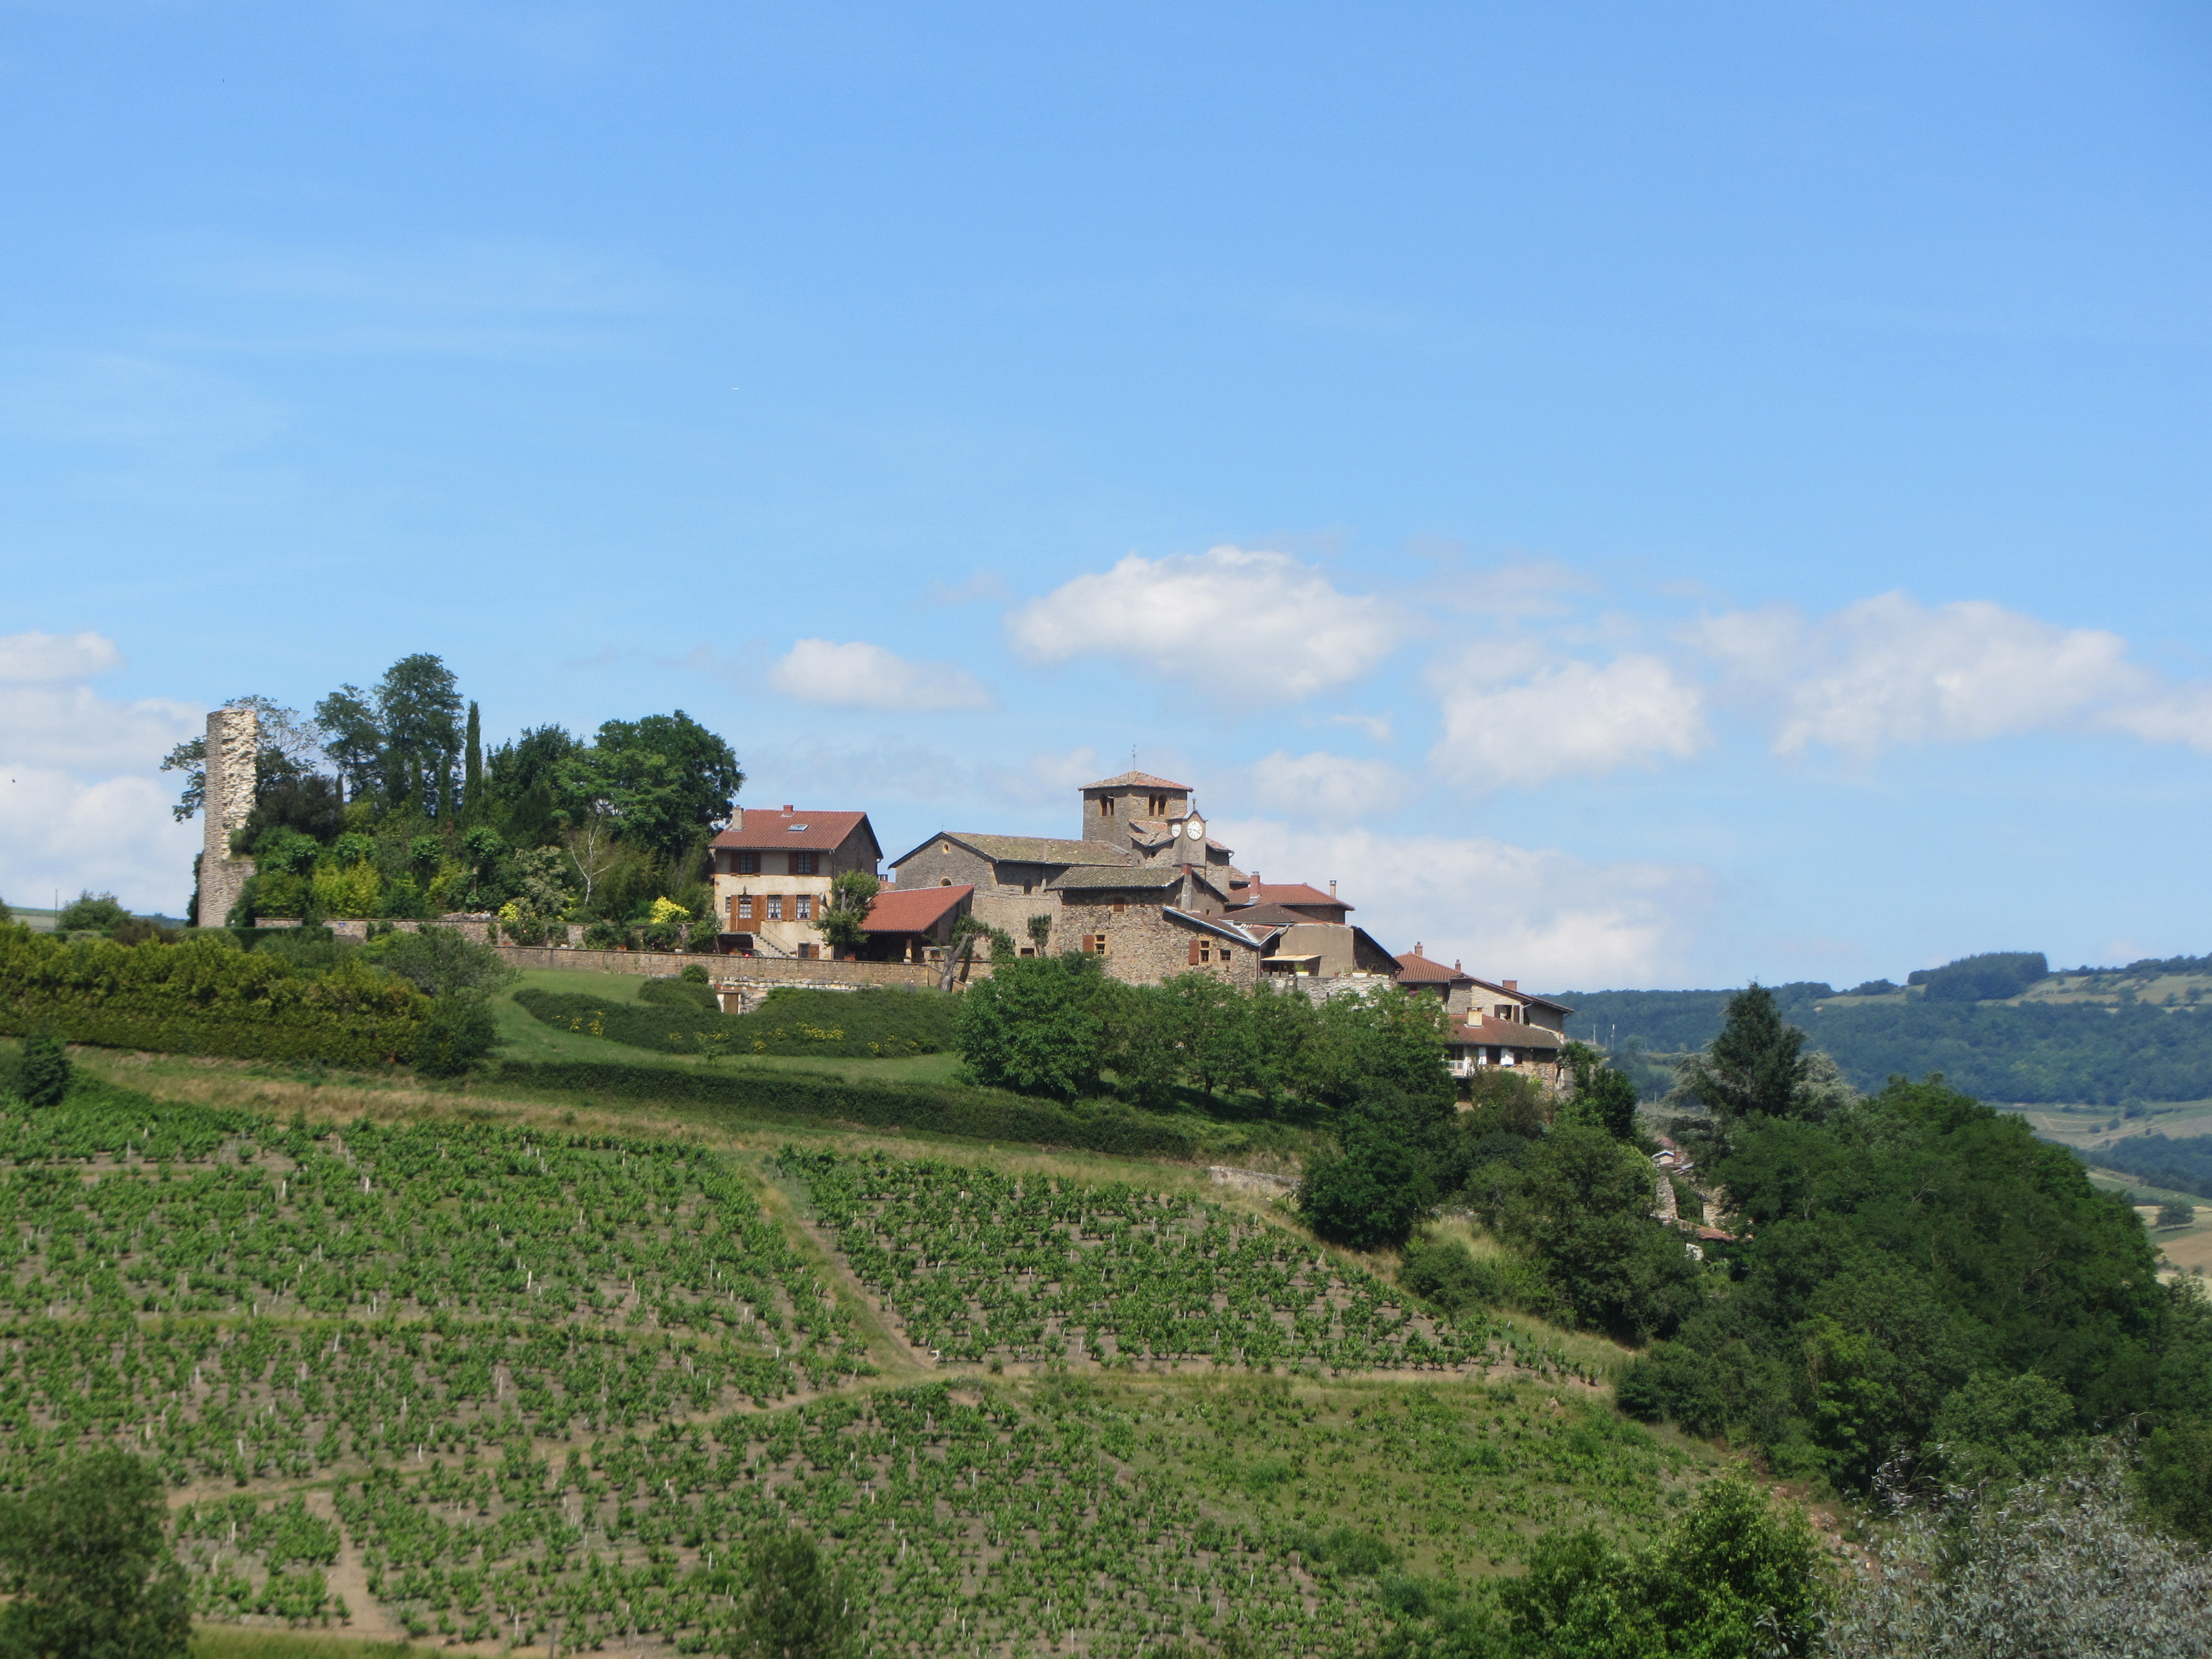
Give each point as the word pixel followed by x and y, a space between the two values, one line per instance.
pixel 86 1559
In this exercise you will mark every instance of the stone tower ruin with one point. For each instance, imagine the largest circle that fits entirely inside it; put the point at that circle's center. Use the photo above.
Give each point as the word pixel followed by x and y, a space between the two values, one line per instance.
pixel 233 743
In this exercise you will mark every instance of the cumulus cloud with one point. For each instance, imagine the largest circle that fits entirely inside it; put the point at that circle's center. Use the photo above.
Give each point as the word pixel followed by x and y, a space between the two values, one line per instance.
pixel 1889 672
pixel 36 659
pixel 1563 718
pixel 856 675
pixel 1543 917
pixel 1250 626
pixel 1323 782
pixel 82 803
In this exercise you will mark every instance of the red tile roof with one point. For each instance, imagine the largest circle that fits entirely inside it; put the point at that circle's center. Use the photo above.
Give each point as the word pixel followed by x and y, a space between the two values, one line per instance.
pixel 1506 1033
pixel 806 832
pixel 1290 892
pixel 1414 969
pixel 912 910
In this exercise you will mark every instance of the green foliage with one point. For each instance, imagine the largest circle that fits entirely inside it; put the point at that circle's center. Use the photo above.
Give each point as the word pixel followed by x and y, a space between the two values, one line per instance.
pixel 850 896
pixel 441 961
pixel 88 909
pixel 1753 1068
pixel 85 1558
pixel 1914 1240
pixel 1448 1276
pixel 794 1604
pixel 43 1077
pixel 459 1033
pixel 2176 1214
pixel 1369 1195
pixel 1997 1427
pixel 774 1096
pixel 682 992
pixel 1036 1025
pixel 1992 977
pixel 980 1264
pixel 2176 1477
pixel 694 973
pixel 1736 1579
pixel 2180 1164
pixel 873 1024
pixel 1604 1095
pixel 1583 1212
pixel 204 996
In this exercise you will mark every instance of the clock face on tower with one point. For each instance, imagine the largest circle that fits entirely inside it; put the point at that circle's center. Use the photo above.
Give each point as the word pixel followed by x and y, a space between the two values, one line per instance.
pixel 1195 828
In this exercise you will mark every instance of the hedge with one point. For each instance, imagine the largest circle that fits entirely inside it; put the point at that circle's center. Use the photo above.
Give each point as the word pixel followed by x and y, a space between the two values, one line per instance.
pixel 972 1113
pixel 868 1024
pixel 204 996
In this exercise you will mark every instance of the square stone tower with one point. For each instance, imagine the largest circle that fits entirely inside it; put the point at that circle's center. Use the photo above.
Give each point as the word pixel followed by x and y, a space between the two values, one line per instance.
pixel 234 744
pixel 1110 805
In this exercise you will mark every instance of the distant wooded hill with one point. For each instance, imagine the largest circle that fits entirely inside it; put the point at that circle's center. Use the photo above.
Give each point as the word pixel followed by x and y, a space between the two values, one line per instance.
pixel 2095 1036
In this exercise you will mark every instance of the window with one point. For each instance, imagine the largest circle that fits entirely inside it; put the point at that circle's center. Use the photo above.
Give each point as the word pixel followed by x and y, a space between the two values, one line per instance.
pixel 748 864
pixel 742 907
pixel 803 908
pixel 1206 950
pixel 775 909
pixel 802 864
pixel 1029 950
pixel 1156 806
pixel 1119 904
pixel 1105 807
pixel 806 953
pixel 1094 944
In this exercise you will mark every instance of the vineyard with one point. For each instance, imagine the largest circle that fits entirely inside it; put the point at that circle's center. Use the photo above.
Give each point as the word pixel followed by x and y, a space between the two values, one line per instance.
pixel 981 1266
pixel 522 1389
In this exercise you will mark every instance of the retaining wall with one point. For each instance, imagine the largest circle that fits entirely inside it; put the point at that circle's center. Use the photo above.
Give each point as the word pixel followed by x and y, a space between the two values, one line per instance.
pixel 819 975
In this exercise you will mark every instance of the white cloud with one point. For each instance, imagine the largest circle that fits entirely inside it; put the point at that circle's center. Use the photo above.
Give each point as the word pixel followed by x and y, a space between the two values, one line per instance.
pixel 1251 626
pixel 1888 672
pixel 1323 782
pixel 856 675
pixel 2182 714
pixel 1543 917
pixel 81 801
pixel 61 834
pixel 34 658
pixel 1563 718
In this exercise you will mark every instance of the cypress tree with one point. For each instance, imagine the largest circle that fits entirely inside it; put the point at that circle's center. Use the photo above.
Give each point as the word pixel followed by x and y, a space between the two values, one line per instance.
pixel 472 772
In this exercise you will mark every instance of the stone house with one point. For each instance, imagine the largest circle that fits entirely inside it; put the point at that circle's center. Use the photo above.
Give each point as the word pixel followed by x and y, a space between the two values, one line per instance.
pixel 1305 931
pixel 772 875
pixel 1494 1022
pixel 1144 886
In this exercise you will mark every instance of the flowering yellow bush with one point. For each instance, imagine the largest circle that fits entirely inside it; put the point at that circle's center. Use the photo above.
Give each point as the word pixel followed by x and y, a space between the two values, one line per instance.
pixel 665 910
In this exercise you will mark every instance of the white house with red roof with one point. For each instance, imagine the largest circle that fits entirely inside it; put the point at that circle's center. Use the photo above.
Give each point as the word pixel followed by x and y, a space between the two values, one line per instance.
pixel 772 876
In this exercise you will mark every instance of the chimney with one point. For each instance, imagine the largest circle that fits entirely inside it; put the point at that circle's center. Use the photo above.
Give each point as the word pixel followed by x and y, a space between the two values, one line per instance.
pixel 1510 984
pixel 1332 890
pixel 786 808
pixel 1416 947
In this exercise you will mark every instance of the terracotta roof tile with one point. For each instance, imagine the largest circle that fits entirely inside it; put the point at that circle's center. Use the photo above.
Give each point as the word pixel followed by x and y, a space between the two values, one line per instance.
pixel 811 832
pixel 1414 969
pixel 1290 892
pixel 912 910
pixel 1506 1033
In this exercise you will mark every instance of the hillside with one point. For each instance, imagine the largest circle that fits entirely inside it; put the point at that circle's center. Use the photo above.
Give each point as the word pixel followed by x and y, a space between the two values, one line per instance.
pixel 2104 1037
pixel 410 1376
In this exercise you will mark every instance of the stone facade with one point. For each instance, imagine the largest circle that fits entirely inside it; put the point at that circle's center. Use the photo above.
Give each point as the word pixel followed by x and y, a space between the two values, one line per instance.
pixel 1011 875
pixel 233 746
pixel 1144 942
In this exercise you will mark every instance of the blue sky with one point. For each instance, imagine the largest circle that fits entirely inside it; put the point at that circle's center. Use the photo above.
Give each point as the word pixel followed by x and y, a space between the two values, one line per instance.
pixel 1639 495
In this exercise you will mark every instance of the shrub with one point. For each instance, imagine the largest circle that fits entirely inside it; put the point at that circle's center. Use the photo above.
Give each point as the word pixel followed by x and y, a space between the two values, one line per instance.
pixel 679 993
pixel 1450 1278
pixel 90 910
pixel 206 996
pixel 1036 1025
pixel 44 1076
pixel 1368 1197
pixel 460 1032
pixel 694 973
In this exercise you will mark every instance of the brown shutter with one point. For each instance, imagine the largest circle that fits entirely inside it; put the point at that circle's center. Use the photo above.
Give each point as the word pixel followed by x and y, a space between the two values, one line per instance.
pixel 1193 953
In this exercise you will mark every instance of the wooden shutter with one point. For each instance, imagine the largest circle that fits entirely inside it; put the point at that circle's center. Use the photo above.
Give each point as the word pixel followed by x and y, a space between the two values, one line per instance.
pixel 1193 953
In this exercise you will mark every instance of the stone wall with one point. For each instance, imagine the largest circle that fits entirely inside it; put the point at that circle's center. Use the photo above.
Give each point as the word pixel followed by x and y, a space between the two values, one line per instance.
pixel 1145 945
pixel 233 743
pixel 734 972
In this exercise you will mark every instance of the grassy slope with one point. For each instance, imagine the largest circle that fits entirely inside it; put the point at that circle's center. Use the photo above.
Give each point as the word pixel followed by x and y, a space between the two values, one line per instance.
pixel 1267 1451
